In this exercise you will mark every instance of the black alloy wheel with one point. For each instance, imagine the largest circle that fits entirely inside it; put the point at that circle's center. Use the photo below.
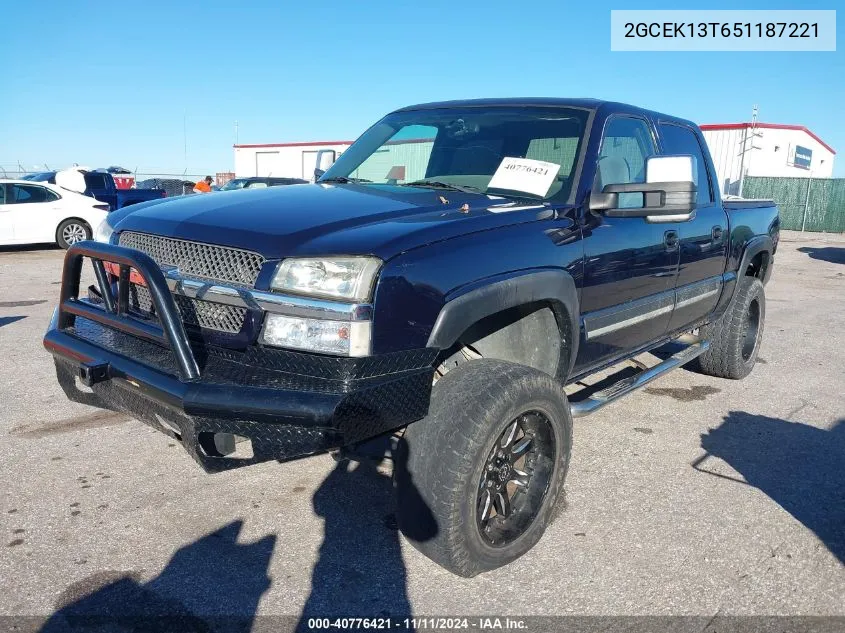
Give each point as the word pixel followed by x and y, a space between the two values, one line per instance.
pixel 515 479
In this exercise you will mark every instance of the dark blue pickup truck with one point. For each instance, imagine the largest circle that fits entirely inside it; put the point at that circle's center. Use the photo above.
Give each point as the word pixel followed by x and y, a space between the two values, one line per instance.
pixel 436 289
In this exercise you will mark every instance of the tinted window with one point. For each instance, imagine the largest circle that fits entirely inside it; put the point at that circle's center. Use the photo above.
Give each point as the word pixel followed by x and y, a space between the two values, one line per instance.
pixel 23 194
pixel 682 140
pixel 52 196
pixel 236 183
pixel 96 181
pixel 2 194
pixel 625 146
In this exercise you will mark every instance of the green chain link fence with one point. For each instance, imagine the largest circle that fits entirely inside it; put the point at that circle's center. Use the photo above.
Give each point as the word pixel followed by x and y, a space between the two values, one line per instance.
pixel 808 204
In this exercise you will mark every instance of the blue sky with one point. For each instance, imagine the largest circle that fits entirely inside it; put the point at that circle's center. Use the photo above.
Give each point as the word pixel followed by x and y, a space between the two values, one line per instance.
pixel 111 83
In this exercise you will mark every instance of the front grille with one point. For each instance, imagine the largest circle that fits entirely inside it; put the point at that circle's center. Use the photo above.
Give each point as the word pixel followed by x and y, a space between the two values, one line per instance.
pixel 193 259
pixel 206 314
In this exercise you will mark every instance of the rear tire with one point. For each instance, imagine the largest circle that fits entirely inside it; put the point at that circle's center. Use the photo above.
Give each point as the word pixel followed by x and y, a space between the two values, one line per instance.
pixel 735 337
pixel 477 480
pixel 72 231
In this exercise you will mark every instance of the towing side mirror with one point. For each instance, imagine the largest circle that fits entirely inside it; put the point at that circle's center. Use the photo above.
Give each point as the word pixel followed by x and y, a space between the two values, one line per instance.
pixel 325 159
pixel 668 195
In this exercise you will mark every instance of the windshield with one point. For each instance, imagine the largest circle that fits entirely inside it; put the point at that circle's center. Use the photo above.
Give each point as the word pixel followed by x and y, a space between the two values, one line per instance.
pixel 530 151
pixel 237 183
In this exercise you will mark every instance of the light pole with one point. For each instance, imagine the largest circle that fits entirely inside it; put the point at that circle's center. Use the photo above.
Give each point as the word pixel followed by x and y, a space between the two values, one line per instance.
pixel 807 198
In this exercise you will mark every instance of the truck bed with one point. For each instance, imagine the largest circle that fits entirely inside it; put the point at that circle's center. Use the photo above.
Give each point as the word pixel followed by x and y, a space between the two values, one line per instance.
pixel 746 203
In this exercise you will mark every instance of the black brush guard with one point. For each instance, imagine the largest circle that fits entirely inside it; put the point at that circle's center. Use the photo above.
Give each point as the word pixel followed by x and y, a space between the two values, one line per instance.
pixel 287 404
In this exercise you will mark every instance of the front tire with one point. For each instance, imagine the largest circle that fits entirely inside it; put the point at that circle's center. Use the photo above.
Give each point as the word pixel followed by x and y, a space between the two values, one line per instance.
pixel 735 337
pixel 72 231
pixel 485 468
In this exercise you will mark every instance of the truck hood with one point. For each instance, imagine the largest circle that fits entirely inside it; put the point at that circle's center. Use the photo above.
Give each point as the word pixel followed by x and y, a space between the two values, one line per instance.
pixel 327 219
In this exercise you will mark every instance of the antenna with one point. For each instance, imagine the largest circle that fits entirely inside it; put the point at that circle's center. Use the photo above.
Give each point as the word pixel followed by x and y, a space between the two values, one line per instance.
pixel 185 136
pixel 750 133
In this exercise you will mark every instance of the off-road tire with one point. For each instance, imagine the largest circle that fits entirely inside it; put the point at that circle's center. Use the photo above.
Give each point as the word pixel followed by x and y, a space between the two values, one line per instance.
pixel 441 459
pixel 729 355
pixel 75 227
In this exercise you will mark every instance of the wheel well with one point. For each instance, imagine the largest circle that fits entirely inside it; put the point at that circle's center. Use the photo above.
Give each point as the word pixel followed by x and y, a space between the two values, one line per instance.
pixel 80 220
pixel 758 265
pixel 536 335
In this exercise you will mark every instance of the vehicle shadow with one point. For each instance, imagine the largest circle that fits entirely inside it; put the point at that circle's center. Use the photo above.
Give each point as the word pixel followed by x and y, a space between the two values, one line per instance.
pixel 832 254
pixel 10 320
pixel 360 571
pixel 800 467
pixel 215 583
pixel 215 576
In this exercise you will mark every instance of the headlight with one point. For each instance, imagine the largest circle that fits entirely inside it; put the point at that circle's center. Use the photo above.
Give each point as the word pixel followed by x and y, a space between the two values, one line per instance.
pixel 349 278
pixel 104 232
pixel 345 338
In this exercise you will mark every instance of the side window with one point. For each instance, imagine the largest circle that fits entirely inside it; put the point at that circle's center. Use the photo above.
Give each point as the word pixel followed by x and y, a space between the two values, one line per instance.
pixel 678 139
pixel 625 146
pixel 2 194
pixel 52 196
pixel 17 194
pixel 24 194
pixel 95 180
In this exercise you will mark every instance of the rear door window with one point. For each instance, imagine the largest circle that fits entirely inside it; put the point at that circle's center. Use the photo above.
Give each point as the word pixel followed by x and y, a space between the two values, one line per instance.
pixel 27 194
pixel 679 139
pixel 96 181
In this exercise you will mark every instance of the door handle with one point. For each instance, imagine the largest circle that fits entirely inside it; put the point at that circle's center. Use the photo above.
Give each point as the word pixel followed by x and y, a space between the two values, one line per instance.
pixel 670 239
pixel 716 234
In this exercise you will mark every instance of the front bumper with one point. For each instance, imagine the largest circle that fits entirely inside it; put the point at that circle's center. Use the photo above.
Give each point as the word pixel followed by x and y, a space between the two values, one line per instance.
pixel 287 404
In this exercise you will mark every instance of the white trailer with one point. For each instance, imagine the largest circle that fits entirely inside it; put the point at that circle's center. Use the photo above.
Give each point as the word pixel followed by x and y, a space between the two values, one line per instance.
pixel 288 160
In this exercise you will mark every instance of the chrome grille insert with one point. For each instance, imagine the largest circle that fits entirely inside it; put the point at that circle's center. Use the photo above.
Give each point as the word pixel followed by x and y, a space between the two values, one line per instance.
pixel 194 259
pixel 206 314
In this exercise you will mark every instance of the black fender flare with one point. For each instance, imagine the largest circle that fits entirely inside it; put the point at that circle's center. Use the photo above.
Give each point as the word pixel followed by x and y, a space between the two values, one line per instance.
pixel 553 286
pixel 755 246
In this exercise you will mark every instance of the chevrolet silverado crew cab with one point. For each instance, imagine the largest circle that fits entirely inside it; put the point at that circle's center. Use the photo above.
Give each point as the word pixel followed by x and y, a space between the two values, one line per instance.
pixel 440 285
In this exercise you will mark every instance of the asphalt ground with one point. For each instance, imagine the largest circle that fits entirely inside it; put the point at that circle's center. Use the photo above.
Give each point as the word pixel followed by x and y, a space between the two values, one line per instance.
pixel 696 496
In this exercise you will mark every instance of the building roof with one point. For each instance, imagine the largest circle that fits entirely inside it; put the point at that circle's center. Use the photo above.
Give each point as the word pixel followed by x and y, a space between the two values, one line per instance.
pixel 772 126
pixel 297 144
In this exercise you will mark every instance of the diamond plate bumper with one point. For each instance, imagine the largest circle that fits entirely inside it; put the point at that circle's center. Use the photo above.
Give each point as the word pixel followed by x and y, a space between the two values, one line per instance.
pixel 287 404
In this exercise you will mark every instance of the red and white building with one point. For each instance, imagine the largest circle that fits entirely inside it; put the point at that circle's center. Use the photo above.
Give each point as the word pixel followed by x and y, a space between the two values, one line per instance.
pixel 766 149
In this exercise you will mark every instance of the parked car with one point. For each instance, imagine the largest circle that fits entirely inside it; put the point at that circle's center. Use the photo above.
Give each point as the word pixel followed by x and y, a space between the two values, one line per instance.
pixel 260 182
pixel 41 176
pixel 38 212
pixel 439 286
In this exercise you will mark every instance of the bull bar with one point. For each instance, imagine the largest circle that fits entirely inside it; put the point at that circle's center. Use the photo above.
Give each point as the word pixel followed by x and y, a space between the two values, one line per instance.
pixel 288 404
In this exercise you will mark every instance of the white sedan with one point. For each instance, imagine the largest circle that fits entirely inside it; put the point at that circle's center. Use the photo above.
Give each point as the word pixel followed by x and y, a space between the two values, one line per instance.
pixel 38 212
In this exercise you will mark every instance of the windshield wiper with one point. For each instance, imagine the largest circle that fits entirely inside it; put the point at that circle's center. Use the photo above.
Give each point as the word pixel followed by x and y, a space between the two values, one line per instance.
pixel 343 180
pixel 436 184
pixel 513 193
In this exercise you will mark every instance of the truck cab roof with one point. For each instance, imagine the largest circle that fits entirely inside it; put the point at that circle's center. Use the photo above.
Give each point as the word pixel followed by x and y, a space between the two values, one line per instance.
pixel 599 106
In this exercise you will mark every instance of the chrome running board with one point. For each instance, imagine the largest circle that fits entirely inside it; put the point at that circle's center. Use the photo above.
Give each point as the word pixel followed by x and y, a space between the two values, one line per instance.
pixel 694 348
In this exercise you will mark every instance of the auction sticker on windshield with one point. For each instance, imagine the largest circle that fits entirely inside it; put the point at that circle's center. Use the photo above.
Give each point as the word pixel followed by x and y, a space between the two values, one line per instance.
pixel 524 174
